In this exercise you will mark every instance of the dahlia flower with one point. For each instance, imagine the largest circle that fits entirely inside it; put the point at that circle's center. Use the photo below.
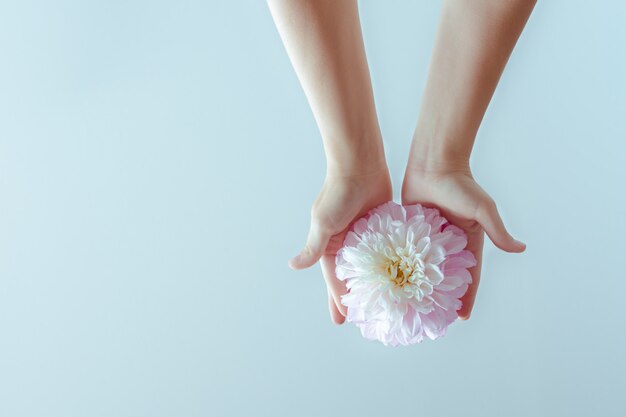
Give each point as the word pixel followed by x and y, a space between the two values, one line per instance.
pixel 405 268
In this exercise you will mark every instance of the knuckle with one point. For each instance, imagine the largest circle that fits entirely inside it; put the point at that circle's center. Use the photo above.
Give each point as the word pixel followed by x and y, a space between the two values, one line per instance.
pixel 474 227
pixel 322 222
pixel 315 212
pixel 486 208
pixel 490 204
pixel 317 217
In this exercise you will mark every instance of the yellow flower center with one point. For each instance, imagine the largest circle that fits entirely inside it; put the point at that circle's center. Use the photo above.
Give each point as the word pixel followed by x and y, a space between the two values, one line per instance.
pixel 402 271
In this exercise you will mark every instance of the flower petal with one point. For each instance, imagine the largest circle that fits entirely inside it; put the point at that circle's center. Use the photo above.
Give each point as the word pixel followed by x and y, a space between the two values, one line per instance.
pixel 405 269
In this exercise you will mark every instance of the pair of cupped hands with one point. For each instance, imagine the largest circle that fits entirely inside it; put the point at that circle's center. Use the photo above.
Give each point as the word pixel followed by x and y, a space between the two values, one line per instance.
pixel 346 196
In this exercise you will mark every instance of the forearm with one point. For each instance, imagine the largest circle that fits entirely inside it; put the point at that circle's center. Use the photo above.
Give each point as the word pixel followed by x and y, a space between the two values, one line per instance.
pixel 324 43
pixel 474 41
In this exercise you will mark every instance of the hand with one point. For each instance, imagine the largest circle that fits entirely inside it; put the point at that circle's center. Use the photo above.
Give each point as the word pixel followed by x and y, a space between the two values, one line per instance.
pixel 343 200
pixel 464 203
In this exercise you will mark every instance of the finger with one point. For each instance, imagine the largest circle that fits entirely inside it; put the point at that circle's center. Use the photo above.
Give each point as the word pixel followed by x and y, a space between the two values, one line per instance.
pixel 336 288
pixel 475 242
pixel 335 315
pixel 489 218
pixel 314 248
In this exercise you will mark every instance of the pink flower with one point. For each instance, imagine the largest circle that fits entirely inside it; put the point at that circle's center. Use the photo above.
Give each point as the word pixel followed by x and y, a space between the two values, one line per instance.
pixel 405 269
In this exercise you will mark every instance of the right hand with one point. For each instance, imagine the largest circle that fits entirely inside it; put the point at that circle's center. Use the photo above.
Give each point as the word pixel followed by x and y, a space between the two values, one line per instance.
pixel 465 204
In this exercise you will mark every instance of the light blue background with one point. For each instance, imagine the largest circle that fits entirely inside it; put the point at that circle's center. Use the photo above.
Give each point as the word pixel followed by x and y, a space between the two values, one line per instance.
pixel 157 165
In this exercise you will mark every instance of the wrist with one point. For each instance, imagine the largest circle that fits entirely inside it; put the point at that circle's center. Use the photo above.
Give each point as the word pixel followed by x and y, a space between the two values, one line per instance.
pixel 429 155
pixel 356 169
pixel 358 159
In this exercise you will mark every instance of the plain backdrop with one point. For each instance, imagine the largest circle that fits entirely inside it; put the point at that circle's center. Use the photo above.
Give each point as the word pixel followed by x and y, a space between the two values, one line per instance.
pixel 158 161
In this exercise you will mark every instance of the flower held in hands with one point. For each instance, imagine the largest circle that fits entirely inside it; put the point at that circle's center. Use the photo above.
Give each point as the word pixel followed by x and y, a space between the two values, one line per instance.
pixel 405 268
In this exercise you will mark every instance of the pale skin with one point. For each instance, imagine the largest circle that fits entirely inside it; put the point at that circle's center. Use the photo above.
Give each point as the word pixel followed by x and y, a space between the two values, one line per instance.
pixel 324 43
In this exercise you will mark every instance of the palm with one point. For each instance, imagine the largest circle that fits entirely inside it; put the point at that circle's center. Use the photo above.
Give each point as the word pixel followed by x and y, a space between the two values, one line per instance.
pixel 464 203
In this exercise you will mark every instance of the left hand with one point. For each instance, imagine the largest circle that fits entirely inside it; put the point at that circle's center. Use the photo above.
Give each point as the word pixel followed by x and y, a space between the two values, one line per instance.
pixel 344 199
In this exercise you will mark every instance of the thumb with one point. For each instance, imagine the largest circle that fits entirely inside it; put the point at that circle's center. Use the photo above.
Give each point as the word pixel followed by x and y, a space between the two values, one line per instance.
pixel 314 248
pixel 489 218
